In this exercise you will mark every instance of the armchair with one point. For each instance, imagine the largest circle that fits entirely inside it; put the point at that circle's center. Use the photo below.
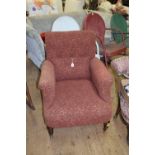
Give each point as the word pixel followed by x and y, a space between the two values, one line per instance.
pixel 75 86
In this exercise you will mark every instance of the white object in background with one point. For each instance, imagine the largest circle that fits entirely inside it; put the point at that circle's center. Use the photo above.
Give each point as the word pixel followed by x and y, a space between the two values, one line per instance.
pixel 58 4
pixel 31 8
pixel 97 50
pixel 27 4
pixel 74 5
pixel 105 6
pixel 46 9
pixel 86 1
pixel 65 23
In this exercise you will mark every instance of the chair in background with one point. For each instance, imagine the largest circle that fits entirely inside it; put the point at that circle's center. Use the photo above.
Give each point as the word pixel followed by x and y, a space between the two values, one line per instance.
pixel 120 66
pixel 95 23
pixel 119 29
pixel 75 86
pixel 123 108
pixel 65 23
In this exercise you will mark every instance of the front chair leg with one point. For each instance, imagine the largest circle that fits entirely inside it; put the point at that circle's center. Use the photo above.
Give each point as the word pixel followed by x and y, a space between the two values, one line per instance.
pixel 128 134
pixel 106 125
pixel 50 131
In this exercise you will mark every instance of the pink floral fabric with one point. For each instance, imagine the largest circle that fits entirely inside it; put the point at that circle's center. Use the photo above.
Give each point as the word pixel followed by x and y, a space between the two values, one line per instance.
pixel 121 65
pixel 124 102
pixel 63 50
pixel 76 102
pixel 47 82
pixel 124 109
pixel 101 78
pixel 79 95
pixel 64 71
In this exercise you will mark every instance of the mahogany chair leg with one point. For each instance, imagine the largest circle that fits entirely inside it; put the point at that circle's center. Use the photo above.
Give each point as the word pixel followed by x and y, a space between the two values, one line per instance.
pixel 30 104
pixel 106 60
pixel 28 98
pixel 106 125
pixel 128 134
pixel 50 131
pixel 118 108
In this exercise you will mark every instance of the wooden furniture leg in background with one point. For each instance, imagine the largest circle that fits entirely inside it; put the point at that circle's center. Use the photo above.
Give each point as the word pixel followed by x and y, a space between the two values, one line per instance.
pixel 28 98
pixel 118 108
pixel 106 125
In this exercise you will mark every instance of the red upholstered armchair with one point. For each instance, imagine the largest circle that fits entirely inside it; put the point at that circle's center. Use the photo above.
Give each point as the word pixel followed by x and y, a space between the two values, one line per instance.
pixel 75 86
pixel 94 22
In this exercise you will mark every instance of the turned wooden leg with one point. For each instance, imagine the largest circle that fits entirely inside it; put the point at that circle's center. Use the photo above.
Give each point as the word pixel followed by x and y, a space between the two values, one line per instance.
pixel 50 131
pixel 28 98
pixel 106 60
pixel 118 108
pixel 128 134
pixel 106 125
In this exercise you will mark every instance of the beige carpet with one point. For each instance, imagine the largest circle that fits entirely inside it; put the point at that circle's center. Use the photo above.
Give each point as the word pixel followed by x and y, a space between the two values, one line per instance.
pixel 83 140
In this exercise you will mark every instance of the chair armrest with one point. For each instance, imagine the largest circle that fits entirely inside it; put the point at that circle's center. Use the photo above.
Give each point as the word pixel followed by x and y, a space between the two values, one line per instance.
pixel 47 77
pixel 102 79
pixel 47 82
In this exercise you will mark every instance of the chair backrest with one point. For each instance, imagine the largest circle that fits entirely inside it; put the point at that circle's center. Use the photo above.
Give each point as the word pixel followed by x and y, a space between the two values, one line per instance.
pixel 118 22
pixel 65 23
pixel 94 22
pixel 70 52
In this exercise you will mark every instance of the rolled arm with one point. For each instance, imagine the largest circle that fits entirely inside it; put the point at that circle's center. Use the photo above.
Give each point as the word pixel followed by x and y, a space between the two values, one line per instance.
pixel 102 79
pixel 47 82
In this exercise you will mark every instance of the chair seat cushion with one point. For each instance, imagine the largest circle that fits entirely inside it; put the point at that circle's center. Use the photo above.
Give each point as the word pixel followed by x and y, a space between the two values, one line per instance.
pixel 76 103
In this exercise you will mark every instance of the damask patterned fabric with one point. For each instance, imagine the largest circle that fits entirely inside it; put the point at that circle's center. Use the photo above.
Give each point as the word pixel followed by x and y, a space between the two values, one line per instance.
pixel 71 97
pixel 102 80
pixel 121 65
pixel 124 100
pixel 124 109
pixel 64 71
pixel 76 102
pixel 76 49
pixel 47 83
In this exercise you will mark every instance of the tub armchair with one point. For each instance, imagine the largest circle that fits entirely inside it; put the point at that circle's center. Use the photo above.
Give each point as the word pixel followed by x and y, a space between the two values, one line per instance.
pixel 75 86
